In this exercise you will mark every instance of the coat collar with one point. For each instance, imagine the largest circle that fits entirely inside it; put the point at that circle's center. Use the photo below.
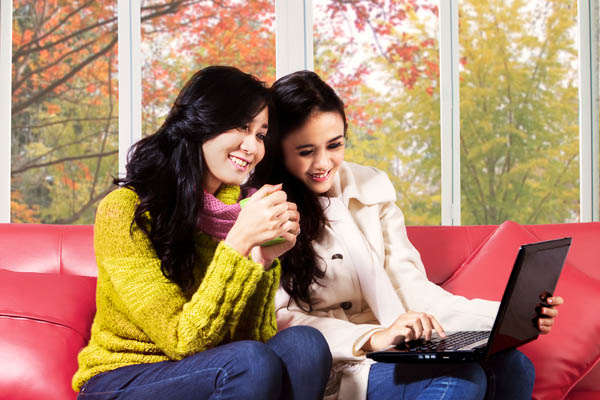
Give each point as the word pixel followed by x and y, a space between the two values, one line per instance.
pixel 368 185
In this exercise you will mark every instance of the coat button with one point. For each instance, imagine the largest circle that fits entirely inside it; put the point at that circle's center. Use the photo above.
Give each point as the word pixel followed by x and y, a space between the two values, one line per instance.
pixel 346 305
pixel 337 256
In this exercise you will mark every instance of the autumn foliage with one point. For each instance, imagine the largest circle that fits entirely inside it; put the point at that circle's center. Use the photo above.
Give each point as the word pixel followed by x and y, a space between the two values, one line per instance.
pixel 518 96
pixel 65 87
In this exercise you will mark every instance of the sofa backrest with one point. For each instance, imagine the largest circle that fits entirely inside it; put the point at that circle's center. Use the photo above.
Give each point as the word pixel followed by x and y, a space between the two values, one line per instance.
pixel 443 249
pixel 69 249
pixel 59 249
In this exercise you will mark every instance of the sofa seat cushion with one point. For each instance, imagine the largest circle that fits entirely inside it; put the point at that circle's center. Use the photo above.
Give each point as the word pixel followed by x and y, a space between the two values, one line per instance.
pixel 44 322
pixel 571 350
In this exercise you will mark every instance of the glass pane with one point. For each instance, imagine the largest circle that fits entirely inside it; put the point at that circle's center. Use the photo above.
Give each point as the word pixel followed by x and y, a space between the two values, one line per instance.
pixel 179 39
pixel 64 109
pixel 383 60
pixel 519 111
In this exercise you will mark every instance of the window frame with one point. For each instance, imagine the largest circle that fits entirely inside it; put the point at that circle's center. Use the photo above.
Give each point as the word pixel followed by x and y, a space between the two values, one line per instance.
pixel 130 77
pixel 5 106
pixel 588 16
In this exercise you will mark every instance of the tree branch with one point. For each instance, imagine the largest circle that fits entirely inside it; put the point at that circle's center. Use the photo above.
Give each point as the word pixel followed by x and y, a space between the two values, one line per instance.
pixel 44 93
pixel 61 160
pixel 75 216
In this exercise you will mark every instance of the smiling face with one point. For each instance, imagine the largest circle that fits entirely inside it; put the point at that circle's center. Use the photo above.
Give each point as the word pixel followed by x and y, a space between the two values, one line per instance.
pixel 231 156
pixel 314 152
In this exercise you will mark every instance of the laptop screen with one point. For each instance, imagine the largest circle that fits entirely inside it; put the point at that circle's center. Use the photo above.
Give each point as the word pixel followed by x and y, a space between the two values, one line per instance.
pixel 533 278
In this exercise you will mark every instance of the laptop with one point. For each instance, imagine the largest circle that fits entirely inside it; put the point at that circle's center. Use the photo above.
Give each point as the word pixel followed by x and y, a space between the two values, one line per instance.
pixel 533 279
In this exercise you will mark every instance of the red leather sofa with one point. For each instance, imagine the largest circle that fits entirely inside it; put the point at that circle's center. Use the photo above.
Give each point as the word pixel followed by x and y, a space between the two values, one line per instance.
pixel 47 300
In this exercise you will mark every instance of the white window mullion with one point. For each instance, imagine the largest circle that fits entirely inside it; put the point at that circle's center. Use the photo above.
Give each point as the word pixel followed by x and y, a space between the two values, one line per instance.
pixel 293 36
pixel 449 113
pixel 588 109
pixel 130 78
pixel 5 106
pixel 595 44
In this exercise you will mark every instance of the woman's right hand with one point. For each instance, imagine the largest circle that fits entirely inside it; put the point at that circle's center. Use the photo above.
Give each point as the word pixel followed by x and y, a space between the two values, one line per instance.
pixel 409 326
pixel 265 216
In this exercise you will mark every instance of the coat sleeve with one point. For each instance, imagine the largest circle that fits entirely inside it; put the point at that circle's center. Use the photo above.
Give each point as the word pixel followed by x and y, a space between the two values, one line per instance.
pixel 406 271
pixel 177 325
pixel 345 339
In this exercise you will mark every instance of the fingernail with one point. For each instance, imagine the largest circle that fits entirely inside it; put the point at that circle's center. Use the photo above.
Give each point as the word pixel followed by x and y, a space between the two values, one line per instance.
pixel 550 300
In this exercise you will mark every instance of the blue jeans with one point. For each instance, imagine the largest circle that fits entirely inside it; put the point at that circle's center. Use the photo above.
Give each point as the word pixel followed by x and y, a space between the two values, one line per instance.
pixel 508 376
pixel 294 364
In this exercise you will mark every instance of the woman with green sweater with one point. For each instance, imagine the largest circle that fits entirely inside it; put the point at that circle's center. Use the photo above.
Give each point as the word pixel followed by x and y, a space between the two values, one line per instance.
pixel 185 295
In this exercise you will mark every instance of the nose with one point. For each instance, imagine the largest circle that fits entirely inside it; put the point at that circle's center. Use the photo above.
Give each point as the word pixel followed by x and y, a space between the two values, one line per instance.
pixel 321 161
pixel 249 144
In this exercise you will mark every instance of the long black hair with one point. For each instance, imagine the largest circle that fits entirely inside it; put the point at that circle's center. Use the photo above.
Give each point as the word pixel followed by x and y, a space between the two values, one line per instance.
pixel 166 169
pixel 297 97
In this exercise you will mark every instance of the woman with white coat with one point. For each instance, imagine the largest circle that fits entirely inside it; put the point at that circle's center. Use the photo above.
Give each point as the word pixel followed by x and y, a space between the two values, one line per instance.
pixel 353 273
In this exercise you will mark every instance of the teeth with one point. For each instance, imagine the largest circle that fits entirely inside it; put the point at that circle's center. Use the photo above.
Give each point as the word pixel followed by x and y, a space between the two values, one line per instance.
pixel 239 162
pixel 320 176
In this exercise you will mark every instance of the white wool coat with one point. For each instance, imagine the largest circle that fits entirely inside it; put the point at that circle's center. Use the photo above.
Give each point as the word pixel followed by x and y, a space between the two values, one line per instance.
pixel 340 310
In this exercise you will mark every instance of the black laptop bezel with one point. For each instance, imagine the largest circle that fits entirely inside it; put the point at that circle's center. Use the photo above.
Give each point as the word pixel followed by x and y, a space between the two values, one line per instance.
pixel 525 251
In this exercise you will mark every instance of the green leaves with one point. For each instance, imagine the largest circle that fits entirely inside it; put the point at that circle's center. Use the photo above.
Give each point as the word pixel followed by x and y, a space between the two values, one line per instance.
pixel 518 105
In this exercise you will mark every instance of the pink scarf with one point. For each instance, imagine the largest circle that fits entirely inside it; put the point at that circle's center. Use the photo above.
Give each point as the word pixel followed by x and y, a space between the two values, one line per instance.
pixel 220 212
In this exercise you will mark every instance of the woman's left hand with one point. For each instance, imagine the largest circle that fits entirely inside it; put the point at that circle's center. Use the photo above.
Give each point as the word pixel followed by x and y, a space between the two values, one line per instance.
pixel 546 315
pixel 265 255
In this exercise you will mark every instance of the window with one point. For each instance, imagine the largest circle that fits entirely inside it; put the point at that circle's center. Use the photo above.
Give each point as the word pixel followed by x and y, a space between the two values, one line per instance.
pixel 519 111
pixel 513 134
pixel 64 109
pixel 383 60
pixel 179 39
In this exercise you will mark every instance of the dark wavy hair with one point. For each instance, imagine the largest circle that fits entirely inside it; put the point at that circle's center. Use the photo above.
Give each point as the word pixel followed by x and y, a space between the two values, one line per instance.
pixel 166 169
pixel 297 97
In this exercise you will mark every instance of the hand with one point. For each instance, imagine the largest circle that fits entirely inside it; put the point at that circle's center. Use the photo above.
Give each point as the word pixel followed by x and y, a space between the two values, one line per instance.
pixel 409 326
pixel 546 315
pixel 265 216
pixel 266 254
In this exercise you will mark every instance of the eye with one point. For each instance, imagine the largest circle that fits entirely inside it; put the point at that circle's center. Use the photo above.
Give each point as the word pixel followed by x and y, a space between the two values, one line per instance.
pixel 335 145
pixel 244 128
pixel 305 153
pixel 261 136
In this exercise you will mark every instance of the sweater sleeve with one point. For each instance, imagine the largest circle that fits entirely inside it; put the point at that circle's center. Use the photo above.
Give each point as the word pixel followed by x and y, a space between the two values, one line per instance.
pixel 257 321
pixel 178 326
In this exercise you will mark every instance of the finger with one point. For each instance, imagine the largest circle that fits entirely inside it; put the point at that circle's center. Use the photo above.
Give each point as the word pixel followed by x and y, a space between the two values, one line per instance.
pixel 417 325
pixel 293 215
pixel 275 198
pixel 291 227
pixel 544 330
pixel 555 300
pixel 279 212
pixel 437 326
pixel 549 312
pixel 545 326
pixel 275 214
pixel 290 238
pixel 266 190
pixel 292 206
pixel 427 327
pixel 408 332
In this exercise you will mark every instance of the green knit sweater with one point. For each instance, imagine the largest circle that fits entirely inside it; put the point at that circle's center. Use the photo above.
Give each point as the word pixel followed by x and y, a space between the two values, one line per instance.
pixel 142 317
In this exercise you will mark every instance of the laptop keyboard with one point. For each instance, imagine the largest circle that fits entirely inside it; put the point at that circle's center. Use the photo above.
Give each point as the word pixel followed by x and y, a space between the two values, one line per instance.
pixel 463 340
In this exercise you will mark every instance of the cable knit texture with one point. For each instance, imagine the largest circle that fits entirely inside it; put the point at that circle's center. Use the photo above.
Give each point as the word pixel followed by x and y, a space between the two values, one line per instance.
pixel 142 317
